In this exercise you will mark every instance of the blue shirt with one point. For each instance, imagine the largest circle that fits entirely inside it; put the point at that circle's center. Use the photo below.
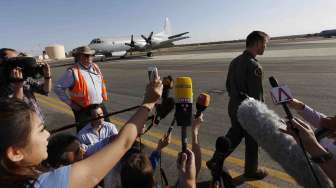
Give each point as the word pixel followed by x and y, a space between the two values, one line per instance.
pixel 58 178
pixel 155 159
pixel 89 136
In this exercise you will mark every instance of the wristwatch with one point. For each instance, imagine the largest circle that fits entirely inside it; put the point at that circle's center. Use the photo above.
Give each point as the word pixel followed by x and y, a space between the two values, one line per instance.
pixel 322 158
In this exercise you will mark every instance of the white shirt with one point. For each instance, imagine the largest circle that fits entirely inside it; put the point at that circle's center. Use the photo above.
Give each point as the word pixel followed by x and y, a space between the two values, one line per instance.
pixel 89 136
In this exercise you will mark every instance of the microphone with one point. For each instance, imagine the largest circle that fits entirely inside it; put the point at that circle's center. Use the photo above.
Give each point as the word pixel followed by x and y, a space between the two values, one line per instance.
pixel 274 83
pixel 168 84
pixel 202 103
pixel 162 110
pixel 166 106
pixel 167 103
pixel 263 125
pixel 183 106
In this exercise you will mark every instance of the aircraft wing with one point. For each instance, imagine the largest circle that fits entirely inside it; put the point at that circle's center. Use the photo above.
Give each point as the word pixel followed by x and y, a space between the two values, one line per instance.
pixel 177 35
pixel 169 41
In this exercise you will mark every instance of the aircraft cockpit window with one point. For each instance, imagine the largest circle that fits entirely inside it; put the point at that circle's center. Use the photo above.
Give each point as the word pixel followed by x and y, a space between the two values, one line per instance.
pixel 93 41
pixel 96 41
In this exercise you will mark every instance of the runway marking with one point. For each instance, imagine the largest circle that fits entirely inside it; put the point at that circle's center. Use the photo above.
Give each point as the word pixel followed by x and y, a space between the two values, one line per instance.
pixel 278 53
pixel 197 71
pixel 179 70
pixel 56 104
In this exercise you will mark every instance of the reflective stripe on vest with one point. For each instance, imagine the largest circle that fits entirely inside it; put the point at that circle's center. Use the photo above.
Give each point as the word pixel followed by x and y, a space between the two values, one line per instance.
pixel 104 91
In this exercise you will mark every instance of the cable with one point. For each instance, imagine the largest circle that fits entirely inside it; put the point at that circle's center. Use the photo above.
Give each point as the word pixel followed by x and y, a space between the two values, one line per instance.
pixel 92 119
pixel 153 119
pixel 309 162
pixel 140 148
pixel 296 131
pixel 161 178
pixel 164 180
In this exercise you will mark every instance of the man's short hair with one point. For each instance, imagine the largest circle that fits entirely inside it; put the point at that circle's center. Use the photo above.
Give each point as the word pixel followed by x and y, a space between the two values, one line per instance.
pixel 254 37
pixel 93 107
pixel 3 52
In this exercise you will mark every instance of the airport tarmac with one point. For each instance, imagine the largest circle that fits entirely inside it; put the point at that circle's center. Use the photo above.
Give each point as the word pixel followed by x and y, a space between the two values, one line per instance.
pixel 307 68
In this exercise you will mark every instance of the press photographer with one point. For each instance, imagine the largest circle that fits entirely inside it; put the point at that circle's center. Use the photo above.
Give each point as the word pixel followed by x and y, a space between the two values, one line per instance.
pixel 22 77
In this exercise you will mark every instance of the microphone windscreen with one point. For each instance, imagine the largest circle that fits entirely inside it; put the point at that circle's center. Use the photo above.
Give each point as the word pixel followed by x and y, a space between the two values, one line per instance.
pixel 183 90
pixel 263 125
pixel 203 99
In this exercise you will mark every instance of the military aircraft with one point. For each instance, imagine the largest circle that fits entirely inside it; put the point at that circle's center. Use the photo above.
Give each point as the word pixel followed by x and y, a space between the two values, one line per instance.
pixel 121 46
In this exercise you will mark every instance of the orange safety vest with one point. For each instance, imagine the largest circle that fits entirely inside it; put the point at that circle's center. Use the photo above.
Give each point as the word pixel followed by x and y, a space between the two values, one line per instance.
pixel 79 92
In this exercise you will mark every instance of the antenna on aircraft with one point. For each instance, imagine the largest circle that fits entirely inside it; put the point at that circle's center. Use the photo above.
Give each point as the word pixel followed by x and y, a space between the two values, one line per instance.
pixel 167 27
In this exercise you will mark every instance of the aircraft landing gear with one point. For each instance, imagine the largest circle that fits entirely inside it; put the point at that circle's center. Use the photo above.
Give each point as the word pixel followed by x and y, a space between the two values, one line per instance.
pixel 149 54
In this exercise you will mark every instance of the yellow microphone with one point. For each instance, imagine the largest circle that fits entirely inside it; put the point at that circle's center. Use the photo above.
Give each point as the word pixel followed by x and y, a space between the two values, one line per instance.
pixel 183 90
pixel 183 106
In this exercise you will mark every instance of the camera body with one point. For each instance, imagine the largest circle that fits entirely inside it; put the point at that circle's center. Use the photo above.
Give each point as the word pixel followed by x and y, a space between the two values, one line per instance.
pixel 28 65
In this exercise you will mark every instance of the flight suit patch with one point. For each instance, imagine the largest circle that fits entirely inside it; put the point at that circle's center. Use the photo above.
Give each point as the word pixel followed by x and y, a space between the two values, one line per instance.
pixel 258 72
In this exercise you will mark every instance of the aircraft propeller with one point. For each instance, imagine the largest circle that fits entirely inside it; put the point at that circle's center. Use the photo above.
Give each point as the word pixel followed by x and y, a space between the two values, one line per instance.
pixel 132 43
pixel 148 39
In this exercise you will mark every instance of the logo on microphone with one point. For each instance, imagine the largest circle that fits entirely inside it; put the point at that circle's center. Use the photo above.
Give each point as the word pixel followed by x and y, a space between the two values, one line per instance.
pixel 281 94
pixel 183 86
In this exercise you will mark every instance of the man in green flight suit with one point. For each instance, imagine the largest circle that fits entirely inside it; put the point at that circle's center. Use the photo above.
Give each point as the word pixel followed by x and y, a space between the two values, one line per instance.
pixel 244 78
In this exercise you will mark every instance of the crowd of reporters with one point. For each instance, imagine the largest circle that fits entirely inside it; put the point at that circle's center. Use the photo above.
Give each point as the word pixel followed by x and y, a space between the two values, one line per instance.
pixel 100 155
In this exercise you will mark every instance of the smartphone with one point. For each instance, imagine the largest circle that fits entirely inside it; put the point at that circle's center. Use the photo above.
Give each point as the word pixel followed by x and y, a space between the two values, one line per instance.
pixel 152 73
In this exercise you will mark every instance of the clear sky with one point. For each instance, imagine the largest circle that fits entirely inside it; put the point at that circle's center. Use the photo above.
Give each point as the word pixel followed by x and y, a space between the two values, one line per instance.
pixel 31 25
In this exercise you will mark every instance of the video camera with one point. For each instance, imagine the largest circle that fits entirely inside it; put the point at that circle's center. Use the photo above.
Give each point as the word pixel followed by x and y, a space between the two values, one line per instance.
pixel 29 66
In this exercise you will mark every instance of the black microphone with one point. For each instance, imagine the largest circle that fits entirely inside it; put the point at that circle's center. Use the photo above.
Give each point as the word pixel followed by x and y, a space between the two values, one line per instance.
pixel 166 106
pixel 162 110
pixel 168 84
pixel 274 83
pixel 167 103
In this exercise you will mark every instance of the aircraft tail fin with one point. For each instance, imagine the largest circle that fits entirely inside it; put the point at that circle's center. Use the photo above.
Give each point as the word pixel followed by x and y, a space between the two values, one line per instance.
pixel 167 30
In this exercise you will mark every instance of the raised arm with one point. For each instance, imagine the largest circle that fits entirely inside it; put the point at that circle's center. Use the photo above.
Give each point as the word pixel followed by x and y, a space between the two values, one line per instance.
pixel 312 116
pixel 196 147
pixel 47 78
pixel 88 172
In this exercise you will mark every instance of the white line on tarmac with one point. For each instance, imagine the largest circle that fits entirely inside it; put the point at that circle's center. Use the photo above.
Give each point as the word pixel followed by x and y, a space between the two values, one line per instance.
pixel 308 52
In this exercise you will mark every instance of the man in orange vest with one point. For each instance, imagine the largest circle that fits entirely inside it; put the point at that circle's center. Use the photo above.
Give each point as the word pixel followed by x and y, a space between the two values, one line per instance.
pixel 85 85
